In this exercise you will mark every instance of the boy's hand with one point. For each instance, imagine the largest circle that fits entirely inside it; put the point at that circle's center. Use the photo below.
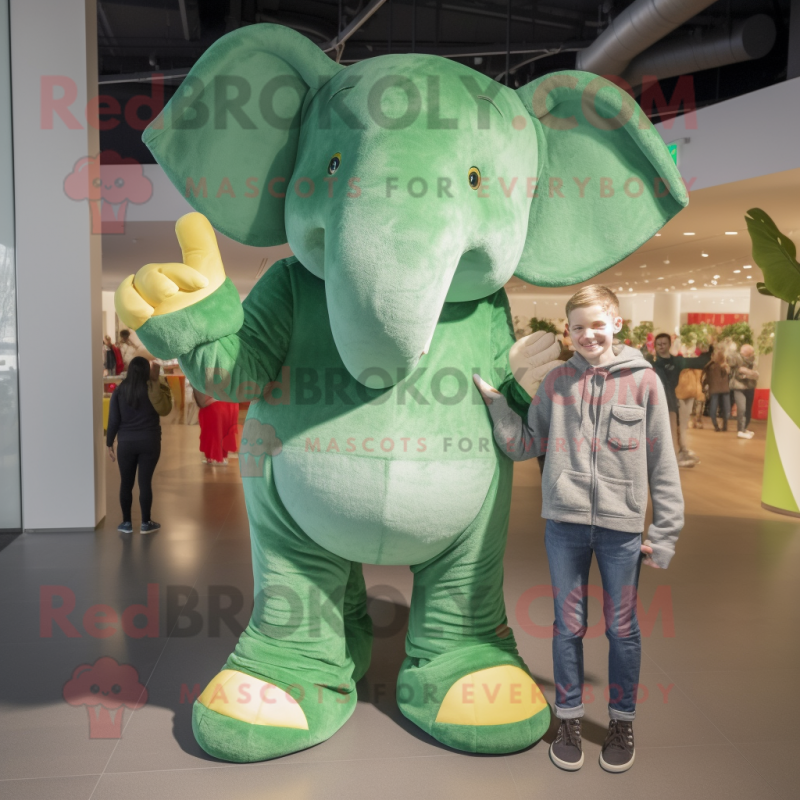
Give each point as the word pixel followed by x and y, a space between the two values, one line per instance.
pixel 532 357
pixel 648 560
pixel 485 389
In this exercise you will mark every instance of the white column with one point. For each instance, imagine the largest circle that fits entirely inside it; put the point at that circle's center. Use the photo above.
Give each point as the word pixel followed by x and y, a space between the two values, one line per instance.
pixel 58 266
pixel 764 309
pixel 667 312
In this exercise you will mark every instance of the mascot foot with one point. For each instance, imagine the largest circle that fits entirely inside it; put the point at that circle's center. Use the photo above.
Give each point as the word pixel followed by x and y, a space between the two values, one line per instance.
pixel 241 718
pixel 495 709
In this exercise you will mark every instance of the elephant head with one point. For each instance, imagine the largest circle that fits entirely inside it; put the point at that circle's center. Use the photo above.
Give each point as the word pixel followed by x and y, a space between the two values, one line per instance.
pixel 408 181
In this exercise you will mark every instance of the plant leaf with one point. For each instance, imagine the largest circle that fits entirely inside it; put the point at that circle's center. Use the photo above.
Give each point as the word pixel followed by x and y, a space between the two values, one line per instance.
pixel 776 256
pixel 762 289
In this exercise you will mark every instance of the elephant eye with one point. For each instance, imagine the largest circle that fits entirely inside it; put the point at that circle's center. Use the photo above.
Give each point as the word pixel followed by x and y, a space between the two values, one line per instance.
pixel 94 688
pixel 116 688
pixel 334 163
pixel 119 183
pixel 474 177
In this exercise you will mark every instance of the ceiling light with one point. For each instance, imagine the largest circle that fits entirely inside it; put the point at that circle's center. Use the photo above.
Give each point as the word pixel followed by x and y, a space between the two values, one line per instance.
pixel 691 280
pixel 716 277
pixel 667 261
pixel 630 289
pixel 688 233
pixel 748 277
pixel 713 283
pixel 666 290
pixel 748 266
pixel 642 266
pixel 620 289
pixel 692 288
pixel 731 233
pixel 736 271
pixel 705 255
pixel 661 278
pixel 658 234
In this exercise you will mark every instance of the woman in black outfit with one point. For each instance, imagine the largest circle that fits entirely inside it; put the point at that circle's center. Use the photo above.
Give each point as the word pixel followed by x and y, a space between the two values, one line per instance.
pixel 133 416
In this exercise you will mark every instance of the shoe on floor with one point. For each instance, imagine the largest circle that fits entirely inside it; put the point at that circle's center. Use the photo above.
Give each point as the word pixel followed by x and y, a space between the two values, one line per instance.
pixel 750 434
pixel 565 751
pixel 125 527
pixel 743 435
pixel 618 751
pixel 149 527
pixel 686 463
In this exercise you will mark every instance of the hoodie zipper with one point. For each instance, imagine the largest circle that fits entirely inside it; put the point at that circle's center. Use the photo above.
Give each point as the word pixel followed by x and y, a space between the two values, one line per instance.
pixel 592 444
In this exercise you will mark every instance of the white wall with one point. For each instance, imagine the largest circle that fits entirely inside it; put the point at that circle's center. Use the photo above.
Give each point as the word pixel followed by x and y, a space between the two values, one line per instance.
pixel 527 305
pixel 109 316
pixel 58 271
pixel 715 301
pixel 751 135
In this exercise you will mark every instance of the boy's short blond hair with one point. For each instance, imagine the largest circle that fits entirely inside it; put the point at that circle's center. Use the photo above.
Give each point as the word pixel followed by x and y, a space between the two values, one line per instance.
pixel 594 295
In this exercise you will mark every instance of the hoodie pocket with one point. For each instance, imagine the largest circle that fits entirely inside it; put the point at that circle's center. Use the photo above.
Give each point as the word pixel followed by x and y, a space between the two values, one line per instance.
pixel 573 490
pixel 615 498
pixel 625 427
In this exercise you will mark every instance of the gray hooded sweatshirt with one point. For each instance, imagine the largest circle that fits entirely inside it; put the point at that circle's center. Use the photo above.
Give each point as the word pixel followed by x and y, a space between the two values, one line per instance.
pixel 606 434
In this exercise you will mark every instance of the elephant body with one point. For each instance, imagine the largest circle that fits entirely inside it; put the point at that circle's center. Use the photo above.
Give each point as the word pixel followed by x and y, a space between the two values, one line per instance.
pixel 409 474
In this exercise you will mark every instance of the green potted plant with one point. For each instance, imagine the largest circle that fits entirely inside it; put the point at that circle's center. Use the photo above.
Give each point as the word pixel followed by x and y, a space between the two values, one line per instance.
pixel 766 339
pixel 640 333
pixel 625 334
pixel 537 324
pixel 739 332
pixel 698 334
pixel 776 256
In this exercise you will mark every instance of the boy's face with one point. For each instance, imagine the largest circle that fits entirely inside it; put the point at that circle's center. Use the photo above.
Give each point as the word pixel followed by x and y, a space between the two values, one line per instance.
pixel 592 330
pixel 662 346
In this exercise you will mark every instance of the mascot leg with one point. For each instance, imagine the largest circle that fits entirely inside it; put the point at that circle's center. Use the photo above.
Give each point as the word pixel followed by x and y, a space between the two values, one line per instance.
pixel 290 682
pixel 463 681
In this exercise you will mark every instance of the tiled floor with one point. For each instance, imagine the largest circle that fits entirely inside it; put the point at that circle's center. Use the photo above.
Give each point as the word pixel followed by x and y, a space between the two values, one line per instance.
pixel 706 728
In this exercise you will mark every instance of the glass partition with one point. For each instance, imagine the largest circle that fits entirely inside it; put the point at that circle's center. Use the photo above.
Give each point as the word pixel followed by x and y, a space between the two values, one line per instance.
pixel 10 506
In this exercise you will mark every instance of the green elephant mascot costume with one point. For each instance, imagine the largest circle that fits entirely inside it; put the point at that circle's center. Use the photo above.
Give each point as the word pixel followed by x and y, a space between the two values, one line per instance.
pixel 410 189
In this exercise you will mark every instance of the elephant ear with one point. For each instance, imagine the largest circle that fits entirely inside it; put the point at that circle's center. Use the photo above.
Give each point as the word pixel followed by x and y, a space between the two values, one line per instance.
pixel 228 137
pixel 588 128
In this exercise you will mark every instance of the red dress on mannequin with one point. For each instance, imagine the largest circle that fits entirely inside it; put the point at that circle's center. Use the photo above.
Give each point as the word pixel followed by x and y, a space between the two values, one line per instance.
pixel 219 427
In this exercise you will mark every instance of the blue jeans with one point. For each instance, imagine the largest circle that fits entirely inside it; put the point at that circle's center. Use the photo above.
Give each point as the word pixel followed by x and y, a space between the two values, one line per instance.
pixel 569 552
pixel 725 399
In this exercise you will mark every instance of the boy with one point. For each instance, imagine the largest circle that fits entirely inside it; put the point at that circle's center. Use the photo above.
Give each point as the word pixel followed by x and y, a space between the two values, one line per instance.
pixel 669 367
pixel 602 420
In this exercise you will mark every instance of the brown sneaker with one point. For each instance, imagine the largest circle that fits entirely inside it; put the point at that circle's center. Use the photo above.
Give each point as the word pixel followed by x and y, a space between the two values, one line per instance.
pixel 566 752
pixel 618 751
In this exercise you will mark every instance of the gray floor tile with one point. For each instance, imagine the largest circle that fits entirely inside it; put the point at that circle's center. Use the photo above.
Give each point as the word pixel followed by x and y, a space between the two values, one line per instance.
pixel 63 787
pixel 458 777
pixel 736 702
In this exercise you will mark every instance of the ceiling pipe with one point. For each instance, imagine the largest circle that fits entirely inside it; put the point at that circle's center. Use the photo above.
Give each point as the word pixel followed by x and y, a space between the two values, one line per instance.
pixel 749 39
pixel 337 43
pixel 640 25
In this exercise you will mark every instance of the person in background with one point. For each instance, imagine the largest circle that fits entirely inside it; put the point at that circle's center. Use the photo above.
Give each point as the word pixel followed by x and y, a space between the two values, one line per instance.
pixel 219 428
pixel 109 362
pixel 717 376
pixel 699 405
pixel 130 348
pixel 668 368
pixel 744 377
pixel 689 388
pixel 113 358
pixel 133 418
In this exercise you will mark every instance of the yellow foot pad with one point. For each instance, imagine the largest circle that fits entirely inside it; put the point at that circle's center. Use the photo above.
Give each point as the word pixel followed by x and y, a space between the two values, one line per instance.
pixel 494 696
pixel 242 697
